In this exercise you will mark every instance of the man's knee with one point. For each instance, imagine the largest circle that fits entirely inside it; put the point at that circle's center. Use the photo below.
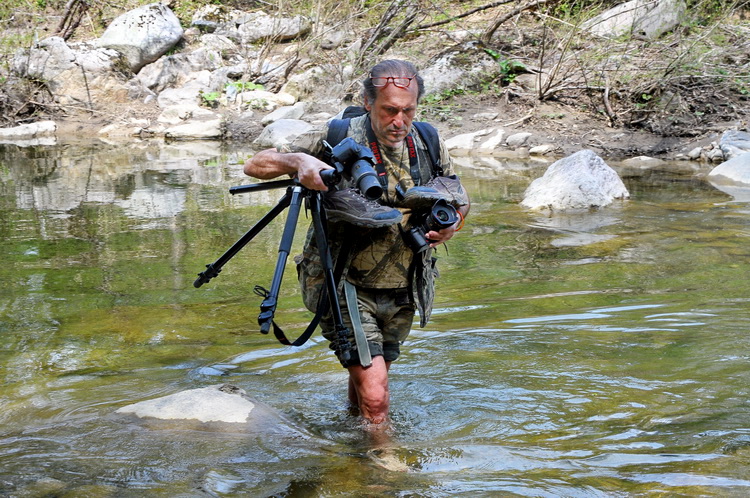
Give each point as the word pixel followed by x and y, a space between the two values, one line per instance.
pixel 374 405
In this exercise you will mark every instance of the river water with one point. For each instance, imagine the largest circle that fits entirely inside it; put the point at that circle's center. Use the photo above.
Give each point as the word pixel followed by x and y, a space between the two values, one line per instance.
pixel 589 354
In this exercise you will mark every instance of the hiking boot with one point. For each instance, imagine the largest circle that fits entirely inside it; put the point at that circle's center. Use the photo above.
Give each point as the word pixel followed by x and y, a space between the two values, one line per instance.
pixel 451 188
pixel 440 188
pixel 349 205
pixel 420 198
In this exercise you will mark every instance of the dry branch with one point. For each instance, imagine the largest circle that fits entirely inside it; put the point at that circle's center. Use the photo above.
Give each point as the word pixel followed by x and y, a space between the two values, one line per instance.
pixel 74 12
pixel 464 14
pixel 487 35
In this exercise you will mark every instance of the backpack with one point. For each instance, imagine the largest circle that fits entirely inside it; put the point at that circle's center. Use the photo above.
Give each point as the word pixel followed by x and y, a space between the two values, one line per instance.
pixel 337 129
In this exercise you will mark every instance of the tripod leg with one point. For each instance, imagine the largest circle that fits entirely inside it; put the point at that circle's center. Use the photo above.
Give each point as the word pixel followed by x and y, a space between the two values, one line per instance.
pixel 268 306
pixel 342 333
pixel 213 269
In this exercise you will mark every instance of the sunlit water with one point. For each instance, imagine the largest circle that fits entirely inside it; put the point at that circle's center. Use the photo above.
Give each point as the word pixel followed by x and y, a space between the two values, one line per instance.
pixel 592 354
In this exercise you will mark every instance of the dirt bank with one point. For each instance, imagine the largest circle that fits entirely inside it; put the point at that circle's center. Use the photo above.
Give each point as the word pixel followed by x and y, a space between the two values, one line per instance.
pixel 620 98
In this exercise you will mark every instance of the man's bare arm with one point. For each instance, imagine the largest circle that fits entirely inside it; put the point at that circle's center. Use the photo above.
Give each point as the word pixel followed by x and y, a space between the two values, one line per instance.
pixel 270 163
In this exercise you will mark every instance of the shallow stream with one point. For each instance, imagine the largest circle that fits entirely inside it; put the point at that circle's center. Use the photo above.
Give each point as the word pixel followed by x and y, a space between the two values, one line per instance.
pixel 591 354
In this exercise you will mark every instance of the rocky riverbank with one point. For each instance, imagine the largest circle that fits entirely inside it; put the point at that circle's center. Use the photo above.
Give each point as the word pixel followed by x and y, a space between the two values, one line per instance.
pixel 232 74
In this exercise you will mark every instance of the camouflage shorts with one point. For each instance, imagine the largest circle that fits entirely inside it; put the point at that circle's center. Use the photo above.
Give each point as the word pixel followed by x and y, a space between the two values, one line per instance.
pixel 387 316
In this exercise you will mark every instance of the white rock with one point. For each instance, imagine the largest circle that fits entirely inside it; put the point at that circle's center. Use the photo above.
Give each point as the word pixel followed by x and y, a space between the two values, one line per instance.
pixel 541 150
pixel 493 142
pixel 648 18
pixel 695 154
pixel 580 181
pixel 197 129
pixel 208 404
pixel 143 35
pixel 295 111
pixel 281 133
pixel 466 141
pixel 734 171
pixel 31 130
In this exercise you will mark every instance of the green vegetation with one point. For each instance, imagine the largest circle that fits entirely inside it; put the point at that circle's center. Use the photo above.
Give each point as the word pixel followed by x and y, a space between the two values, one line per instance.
pixel 441 106
pixel 509 68
pixel 244 86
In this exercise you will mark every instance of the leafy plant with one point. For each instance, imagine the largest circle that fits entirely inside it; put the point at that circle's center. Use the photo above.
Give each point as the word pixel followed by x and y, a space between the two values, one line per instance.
pixel 509 68
pixel 210 99
pixel 244 86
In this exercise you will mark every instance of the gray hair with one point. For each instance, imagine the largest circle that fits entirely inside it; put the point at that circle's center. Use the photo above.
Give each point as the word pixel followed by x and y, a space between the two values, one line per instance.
pixel 390 67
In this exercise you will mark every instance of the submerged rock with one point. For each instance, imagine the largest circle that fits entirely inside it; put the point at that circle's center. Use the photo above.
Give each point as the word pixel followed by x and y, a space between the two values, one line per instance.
pixel 221 407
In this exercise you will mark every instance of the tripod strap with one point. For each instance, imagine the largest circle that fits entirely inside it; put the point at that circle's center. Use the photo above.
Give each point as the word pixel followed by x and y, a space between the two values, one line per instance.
pixel 363 350
pixel 323 304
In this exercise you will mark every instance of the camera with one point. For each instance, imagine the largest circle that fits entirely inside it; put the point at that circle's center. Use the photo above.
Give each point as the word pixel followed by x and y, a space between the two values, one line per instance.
pixel 441 215
pixel 354 161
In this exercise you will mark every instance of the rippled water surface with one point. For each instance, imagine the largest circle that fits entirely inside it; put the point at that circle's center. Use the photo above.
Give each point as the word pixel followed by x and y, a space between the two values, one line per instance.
pixel 589 354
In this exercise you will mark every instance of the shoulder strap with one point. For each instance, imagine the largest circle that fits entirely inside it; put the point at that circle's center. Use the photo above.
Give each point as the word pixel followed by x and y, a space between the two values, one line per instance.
pixel 337 129
pixel 430 137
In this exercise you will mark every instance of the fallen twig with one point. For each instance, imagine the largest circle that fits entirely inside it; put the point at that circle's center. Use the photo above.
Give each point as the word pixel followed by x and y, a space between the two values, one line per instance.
pixel 607 105
pixel 464 14
pixel 517 121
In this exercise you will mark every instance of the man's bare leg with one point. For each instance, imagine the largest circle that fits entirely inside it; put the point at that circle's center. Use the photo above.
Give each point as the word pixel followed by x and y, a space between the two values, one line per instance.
pixel 368 390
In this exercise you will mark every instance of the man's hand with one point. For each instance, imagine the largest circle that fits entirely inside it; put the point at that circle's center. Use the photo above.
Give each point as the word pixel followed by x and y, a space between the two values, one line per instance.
pixel 444 235
pixel 308 172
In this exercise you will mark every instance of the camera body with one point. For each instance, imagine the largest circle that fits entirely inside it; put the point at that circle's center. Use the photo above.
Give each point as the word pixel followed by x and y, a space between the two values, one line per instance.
pixel 441 215
pixel 355 162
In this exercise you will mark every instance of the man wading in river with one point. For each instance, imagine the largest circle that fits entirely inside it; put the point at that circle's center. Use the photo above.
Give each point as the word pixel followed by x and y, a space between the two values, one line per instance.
pixel 389 274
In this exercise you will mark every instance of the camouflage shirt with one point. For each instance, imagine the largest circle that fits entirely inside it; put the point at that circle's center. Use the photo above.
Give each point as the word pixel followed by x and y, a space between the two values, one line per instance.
pixel 380 258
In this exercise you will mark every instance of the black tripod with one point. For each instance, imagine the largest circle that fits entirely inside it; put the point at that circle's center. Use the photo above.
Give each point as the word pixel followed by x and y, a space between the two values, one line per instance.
pixel 295 194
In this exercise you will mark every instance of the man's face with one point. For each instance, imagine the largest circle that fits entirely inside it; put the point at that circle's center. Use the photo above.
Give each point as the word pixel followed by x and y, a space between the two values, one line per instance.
pixel 392 113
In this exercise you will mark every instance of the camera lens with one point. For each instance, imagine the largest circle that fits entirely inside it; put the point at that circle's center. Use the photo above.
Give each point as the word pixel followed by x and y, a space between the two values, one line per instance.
pixel 366 180
pixel 442 216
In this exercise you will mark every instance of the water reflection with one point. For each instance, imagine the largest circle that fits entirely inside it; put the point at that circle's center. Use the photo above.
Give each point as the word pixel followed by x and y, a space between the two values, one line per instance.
pixel 588 354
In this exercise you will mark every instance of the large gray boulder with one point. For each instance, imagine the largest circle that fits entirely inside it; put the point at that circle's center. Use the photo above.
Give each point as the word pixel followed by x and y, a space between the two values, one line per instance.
pixel 580 181
pixel 734 143
pixel 736 171
pixel 282 133
pixel 645 18
pixel 143 35
pixel 79 73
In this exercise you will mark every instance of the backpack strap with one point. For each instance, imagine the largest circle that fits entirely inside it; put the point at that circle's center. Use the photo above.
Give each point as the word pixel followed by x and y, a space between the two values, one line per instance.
pixel 430 137
pixel 337 129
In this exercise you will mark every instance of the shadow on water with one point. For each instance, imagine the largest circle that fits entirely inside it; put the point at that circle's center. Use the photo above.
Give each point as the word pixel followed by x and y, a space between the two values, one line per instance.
pixel 587 354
